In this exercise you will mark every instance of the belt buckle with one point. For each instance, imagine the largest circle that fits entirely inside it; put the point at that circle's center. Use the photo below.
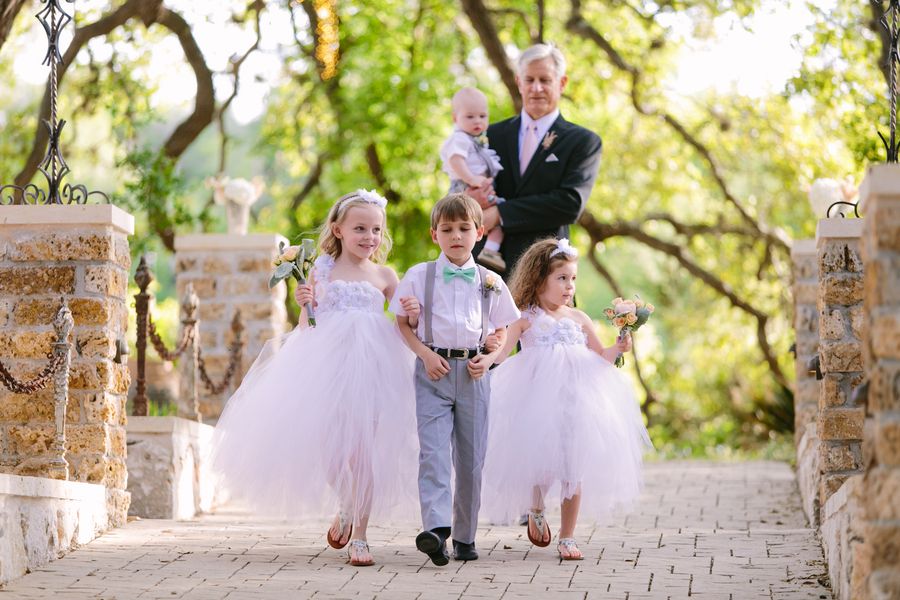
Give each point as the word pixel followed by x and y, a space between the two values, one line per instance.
pixel 458 353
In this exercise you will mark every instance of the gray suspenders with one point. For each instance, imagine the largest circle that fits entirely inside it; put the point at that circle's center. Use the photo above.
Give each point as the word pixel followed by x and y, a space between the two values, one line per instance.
pixel 430 271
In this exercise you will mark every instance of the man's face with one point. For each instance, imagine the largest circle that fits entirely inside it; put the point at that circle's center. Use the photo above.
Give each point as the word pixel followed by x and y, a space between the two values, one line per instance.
pixel 540 87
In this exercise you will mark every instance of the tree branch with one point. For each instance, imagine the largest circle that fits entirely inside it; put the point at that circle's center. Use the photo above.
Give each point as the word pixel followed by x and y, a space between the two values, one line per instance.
pixel 311 182
pixel 578 25
pixel 377 169
pixel 8 12
pixel 650 397
pixel 602 231
pixel 487 33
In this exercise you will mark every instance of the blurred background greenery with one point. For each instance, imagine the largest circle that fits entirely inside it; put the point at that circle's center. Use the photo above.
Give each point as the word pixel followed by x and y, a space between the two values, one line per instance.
pixel 716 116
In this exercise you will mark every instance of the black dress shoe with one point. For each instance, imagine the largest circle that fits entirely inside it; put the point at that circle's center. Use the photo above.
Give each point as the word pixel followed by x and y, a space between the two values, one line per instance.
pixel 463 551
pixel 435 546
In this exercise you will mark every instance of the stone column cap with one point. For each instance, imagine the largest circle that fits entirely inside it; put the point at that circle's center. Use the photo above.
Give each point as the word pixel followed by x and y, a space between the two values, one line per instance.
pixel 803 247
pixel 838 228
pixel 880 180
pixel 230 241
pixel 68 214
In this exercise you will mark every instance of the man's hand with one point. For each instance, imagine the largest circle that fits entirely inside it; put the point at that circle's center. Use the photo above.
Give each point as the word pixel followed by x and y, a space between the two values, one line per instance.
pixel 491 218
pixel 484 195
pixel 410 305
pixel 303 294
pixel 479 365
pixel 435 366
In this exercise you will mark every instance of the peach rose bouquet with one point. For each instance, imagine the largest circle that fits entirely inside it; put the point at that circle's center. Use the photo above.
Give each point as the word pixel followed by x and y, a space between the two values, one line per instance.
pixel 628 316
pixel 296 261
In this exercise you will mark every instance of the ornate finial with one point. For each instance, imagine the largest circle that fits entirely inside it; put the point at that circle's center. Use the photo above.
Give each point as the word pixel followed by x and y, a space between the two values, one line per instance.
pixel 63 322
pixel 889 22
pixel 54 168
pixel 142 275
pixel 189 302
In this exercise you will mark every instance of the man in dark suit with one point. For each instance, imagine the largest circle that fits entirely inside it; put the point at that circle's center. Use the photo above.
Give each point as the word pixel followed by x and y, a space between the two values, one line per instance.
pixel 549 164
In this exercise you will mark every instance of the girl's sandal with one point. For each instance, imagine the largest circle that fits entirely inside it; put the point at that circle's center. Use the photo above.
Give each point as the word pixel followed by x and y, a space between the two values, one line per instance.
pixel 359 554
pixel 536 520
pixel 343 521
pixel 568 550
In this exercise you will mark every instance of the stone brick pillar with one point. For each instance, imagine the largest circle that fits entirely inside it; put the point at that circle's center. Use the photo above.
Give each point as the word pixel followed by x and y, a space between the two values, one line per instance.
pixel 840 421
pixel 880 250
pixel 806 387
pixel 229 272
pixel 80 252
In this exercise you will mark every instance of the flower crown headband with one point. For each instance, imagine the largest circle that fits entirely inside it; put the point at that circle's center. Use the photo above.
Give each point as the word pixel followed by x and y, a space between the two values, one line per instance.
pixel 369 197
pixel 563 247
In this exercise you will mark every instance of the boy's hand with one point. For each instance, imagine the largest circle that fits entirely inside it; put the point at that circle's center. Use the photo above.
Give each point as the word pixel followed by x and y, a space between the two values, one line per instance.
pixel 435 366
pixel 303 294
pixel 479 181
pixel 479 365
pixel 623 342
pixel 410 305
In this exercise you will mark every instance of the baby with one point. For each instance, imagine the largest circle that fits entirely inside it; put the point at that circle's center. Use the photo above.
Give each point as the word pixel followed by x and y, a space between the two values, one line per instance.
pixel 470 162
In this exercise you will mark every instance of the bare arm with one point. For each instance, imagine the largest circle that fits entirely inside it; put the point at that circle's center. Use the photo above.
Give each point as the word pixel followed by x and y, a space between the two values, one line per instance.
pixel 513 333
pixel 461 169
pixel 593 342
pixel 436 366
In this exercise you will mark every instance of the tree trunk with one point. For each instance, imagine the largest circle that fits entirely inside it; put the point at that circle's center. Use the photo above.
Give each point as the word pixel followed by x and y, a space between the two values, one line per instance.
pixel 8 12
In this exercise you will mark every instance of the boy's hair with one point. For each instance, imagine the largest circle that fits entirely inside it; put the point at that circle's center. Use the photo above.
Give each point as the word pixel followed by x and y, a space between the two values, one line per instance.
pixel 329 244
pixel 456 207
pixel 533 269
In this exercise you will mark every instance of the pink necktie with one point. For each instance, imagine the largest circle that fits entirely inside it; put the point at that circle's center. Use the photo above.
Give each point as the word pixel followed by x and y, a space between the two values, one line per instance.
pixel 529 145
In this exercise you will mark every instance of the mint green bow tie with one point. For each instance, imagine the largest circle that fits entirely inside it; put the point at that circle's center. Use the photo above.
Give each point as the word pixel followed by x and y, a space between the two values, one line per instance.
pixel 467 274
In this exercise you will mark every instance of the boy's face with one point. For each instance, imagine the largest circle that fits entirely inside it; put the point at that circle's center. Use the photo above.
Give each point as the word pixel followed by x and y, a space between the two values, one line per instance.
pixel 471 115
pixel 456 239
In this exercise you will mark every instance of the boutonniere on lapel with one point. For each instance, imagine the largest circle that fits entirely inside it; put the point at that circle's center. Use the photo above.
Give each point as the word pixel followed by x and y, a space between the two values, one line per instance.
pixel 482 140
pixel 548 140
pixel 491 284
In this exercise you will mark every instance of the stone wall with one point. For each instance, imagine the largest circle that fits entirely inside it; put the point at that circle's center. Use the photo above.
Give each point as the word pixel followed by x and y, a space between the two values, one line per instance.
pixel 840 306
pixel 42 519
pixel 169 475
pixel 228 273
pixel 80 252
pixel 806 387
pixel 880 203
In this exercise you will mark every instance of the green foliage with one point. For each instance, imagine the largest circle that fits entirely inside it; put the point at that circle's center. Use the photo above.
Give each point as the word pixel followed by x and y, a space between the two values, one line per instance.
pixel 401 62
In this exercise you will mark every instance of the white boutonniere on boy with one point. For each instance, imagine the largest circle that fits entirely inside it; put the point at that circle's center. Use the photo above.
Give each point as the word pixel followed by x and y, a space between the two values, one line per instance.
pixel 491 283
pixel 548 140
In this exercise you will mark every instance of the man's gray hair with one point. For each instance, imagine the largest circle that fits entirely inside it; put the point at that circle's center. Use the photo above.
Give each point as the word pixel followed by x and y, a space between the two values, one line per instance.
pixel 540 52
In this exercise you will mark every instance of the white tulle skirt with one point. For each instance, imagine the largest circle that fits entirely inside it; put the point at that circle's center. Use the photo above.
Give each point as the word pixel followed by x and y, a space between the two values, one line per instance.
pixel 325 421
pixel 563 420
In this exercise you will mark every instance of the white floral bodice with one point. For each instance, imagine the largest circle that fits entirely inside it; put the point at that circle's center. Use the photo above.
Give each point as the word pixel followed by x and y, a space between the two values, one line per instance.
pixel 547 331
pixel 342 296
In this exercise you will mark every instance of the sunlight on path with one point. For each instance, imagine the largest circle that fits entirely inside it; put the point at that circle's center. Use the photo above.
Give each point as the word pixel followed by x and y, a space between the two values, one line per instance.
pixel 705 530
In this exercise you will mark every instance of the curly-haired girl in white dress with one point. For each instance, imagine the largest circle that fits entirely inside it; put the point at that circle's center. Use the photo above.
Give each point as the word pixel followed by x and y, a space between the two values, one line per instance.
pixel 324 420
pixel 564 421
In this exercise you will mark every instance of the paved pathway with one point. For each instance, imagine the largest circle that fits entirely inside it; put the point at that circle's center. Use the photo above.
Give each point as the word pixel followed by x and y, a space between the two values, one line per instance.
pixel 730 531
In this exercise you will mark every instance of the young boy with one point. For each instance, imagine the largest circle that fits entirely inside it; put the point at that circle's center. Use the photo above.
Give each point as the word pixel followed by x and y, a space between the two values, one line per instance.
pixel 460 304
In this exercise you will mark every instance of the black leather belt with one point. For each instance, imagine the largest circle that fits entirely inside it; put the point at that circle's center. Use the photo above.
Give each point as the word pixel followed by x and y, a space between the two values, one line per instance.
pixel 458 353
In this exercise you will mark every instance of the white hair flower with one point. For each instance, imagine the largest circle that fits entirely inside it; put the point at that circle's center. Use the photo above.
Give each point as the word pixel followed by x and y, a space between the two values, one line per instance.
pixel 372 197
pixel 563 247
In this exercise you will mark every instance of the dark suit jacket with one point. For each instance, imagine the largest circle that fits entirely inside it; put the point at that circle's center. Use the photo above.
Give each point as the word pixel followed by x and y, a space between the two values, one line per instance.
pixel 549 196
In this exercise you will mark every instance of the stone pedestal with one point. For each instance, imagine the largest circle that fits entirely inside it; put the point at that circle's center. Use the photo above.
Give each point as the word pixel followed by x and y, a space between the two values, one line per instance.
pixel 229 273
pixel 168 475
pixel 840 297
pixel 80 252
pixel 880 251
pixel 42 519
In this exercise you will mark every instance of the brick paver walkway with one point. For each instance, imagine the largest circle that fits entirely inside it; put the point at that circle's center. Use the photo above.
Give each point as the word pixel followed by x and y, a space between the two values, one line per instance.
pixel 705 530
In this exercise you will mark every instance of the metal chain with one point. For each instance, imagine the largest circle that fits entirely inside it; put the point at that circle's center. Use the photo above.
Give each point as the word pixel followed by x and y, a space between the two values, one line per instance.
pixel 33 385
pixel 186 335
pixel 218 388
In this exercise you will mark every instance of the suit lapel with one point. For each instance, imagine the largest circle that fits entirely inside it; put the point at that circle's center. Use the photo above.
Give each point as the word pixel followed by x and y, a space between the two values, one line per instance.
pixel 512 148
